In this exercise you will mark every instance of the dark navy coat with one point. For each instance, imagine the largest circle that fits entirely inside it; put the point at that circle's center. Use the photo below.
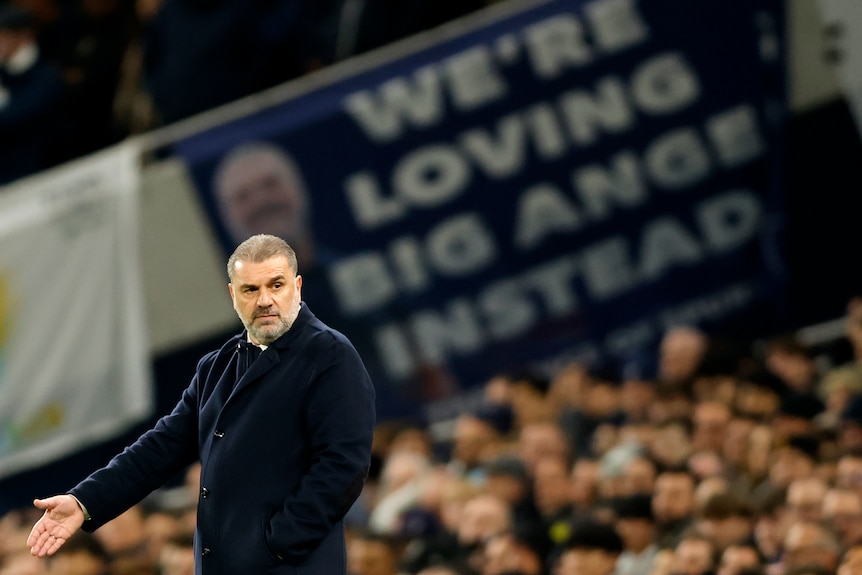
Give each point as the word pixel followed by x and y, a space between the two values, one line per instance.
pixel 284 454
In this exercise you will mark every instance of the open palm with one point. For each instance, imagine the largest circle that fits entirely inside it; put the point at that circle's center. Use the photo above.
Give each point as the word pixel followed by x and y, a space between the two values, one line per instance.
pixel 62 518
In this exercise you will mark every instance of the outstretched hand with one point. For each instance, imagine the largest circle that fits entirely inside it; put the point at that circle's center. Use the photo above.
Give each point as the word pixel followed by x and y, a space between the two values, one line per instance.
pixel 62 518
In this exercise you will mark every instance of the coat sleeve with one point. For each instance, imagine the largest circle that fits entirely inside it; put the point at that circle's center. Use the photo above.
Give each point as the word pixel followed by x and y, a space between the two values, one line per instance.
pixel 340 418
pixel 156 456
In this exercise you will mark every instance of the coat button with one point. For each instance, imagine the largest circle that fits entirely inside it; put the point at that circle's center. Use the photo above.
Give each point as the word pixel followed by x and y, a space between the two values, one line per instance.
pixel 204 492
pixel 219 433
pixel 205 551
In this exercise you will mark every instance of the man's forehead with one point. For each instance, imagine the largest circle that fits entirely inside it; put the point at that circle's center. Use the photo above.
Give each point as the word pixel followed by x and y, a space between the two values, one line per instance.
pixel 270 267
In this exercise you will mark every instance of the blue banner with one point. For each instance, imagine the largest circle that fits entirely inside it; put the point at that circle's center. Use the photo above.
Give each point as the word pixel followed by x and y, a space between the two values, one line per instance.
pixel 562 179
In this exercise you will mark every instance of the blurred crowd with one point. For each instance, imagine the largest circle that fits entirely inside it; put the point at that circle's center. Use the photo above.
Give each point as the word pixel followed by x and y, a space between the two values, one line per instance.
pixel 79 75
pixel 727 458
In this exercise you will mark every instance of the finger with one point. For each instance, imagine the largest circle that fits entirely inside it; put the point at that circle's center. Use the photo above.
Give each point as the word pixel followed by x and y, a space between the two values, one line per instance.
pixel 46 545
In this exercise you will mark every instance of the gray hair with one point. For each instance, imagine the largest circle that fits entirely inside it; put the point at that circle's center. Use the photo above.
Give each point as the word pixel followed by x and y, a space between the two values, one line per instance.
pixel 259 248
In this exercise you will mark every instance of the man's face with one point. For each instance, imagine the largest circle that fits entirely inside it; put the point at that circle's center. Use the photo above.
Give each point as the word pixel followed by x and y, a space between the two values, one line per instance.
pixel 673 497
pixel 266 297
pixel 692 557
pixel 260 194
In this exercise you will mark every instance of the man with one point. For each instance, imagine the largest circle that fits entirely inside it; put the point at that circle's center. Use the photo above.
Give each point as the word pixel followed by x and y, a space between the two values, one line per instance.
pixel 259 190
pixel 842 510
pixel 695 554
pixel 284 440
pixel 672 505
pixel 808 543
pixel 592 549
pixel 636 527
pixel 726 519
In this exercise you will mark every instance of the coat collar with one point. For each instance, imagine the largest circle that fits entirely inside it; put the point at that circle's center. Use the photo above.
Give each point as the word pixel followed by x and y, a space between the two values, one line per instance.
pixel 269 359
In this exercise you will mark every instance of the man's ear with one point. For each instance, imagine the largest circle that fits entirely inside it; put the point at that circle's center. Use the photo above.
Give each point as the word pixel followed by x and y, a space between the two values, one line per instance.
pixel 230 290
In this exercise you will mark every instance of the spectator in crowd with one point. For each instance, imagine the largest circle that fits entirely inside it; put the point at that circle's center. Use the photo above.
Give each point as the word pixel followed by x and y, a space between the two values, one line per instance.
pixel 727 520
pixel 848 472
pixel 82 555
pixel 636 527
pixel 810 544
pixel 506 477
pixel 31 95
pixel 369 554
pixel 851 561
pixel 585 484
pixel 177 555
pixel 592 549
pixel 90 54
pixel 511 553
pixel 670 446
pixel 125 537
pixel 711 419
pixel 694 554
pixel 638 476
pixel 673 505
pixel 529 399
pixel 22 563
pixel 681 352
pixel 483 517
pixel 805 499
pixel 740 558
pixel 552 496
pixel 477 438
pixel 842 509
pixel 402 481
pixel 539 440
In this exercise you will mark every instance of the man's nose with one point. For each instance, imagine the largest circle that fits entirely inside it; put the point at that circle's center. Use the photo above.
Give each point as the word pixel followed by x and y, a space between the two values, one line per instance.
pixel 264 298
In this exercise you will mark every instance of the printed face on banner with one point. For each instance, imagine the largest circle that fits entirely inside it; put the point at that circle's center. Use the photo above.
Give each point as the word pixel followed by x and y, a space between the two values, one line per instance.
pixel 260 191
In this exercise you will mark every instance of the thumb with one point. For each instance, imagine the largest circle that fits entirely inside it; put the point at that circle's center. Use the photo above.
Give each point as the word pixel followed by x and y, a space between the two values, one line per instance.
pixel 47 503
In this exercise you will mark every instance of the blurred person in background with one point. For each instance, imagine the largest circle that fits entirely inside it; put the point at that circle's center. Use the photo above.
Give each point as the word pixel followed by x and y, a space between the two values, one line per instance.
pixel 727 519
pixel 681 351
pixel 31 95
pixel 695 554
pixel 177 555
pixel 805 499
pixel 740 558
pixel 482 517
pixel 842 511
pixel 22 563
pixel 512 554
pixel 82 555
pixel 372 554
pixel 808 544
pixel 673 505
pixel 591 549
pixel 636 527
